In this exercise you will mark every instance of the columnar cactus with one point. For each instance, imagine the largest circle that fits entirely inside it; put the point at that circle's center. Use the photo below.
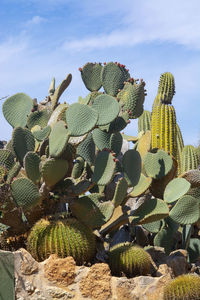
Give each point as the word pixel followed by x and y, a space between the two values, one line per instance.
pixel 163 125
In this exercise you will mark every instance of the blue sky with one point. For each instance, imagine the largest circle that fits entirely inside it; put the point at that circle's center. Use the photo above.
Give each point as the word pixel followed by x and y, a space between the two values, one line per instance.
pixel 40 39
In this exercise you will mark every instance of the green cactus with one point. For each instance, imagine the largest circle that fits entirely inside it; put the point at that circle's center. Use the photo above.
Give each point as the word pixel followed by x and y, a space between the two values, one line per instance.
pixel 38 118
pixel 92 210
pixel 185 287
pixel 85 121
pixel 175 189
pixel 32 166
pixel 58 139
pixel 107 107
pixel 128 259
pixel 157 165
pixel 91 76
pixel 86 149
pixel 131 163
pixel 64 237
pixel 16 109
pixel 189 158
pixel 23 141
pixel 113 76
pixel 78 167
pixel 163 124
pixel 105 164
pixel 25 193
pixel 59 91
pixel 144 121
pixel 53 170
pixel 180 146
pixel 132 98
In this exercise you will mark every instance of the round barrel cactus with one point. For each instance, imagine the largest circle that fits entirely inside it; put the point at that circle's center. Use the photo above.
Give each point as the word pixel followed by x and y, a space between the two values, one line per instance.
pixel 128 259
pixel 185 287
pixel 64 237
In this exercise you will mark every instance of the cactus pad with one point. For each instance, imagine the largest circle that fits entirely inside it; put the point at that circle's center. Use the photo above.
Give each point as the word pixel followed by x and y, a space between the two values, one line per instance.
pixel 120 191
pixel 25 193
pixel 91 210
pixel 131 162
pixel 113 77
pixel 59 90
pixel 58 139
pixel 150 211
pixel 107 107
pixel 141 187
pixel 157 165
pixel 91 76
pixel 175 189
pixel 104 168
pixel 86 149
pixel 23 141
pixel 38 118
pixel 53 170
pixel 16 109
pixel 85 120
pixel 186 210
pixel 31 165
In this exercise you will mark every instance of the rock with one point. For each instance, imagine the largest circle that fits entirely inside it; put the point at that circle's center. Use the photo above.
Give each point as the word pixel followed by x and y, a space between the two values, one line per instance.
pixel 140 288
pixel 60 270
pixel 28 263
pixel 97 283
pixel 177 261
pixel 157 254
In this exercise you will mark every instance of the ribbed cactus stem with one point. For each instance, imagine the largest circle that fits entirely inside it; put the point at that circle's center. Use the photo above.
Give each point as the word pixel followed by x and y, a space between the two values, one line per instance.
pixel 185 287
pixel 144 121
pixel 180 145
pixel 190 158
pixel 163 124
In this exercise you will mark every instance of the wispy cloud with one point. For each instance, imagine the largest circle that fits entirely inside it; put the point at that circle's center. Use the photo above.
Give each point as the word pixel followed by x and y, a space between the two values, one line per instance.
pixel 148 21
pixel 36 20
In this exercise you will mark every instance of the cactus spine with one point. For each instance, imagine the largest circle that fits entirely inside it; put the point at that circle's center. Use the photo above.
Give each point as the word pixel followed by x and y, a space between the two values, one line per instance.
pixel 144 121
pixel 180 145
pixel 129 259
pixel 189 160
pixel 163 125
pixel 185 287
pixel 64 237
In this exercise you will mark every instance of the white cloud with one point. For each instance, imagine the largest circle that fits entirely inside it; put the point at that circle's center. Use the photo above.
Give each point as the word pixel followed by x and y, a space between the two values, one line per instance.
pixel 36 20
pixel 147 21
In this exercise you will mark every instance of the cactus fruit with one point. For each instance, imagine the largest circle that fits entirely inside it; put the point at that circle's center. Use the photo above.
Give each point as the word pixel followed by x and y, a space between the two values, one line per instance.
pixel 64 237
pixel 185 287
pixel 128 259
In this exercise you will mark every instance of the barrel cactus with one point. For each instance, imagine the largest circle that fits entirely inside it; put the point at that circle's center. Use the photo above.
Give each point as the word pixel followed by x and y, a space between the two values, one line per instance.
pixel 185 287
pixel 128 259
pixel 61 236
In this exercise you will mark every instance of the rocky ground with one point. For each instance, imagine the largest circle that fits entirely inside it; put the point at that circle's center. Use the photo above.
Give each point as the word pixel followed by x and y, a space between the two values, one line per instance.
pixel 57 278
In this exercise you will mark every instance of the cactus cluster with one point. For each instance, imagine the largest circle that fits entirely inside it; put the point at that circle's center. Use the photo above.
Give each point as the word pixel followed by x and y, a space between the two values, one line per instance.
pixel 68 172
